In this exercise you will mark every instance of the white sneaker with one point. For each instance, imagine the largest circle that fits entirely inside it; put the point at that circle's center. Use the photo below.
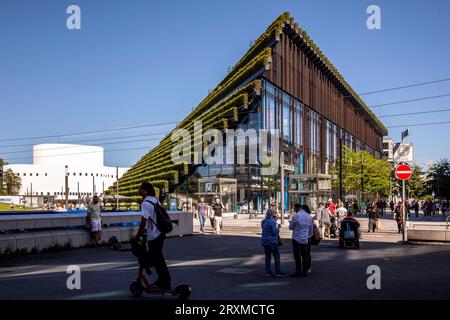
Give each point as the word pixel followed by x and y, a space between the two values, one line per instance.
pixel 308 271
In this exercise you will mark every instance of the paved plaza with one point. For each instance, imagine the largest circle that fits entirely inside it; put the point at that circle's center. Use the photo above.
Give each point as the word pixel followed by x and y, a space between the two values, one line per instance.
pixel 230 266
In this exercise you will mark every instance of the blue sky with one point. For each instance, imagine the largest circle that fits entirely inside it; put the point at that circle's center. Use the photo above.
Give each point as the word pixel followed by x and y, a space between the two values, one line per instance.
pixel 140 62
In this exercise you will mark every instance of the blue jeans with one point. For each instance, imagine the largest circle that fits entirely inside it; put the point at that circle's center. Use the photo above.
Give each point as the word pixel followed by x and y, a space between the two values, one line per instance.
pixel 202 222
pixel 269 250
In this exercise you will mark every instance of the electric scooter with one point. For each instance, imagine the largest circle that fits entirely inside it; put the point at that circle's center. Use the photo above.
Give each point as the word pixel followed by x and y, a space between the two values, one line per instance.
pixel 141 284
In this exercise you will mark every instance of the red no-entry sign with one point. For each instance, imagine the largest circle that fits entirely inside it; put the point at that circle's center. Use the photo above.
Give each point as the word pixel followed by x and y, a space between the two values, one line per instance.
pixel 403 172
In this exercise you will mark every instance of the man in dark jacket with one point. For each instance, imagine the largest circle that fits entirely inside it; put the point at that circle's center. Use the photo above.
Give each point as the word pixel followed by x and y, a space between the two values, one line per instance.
pixel 373 217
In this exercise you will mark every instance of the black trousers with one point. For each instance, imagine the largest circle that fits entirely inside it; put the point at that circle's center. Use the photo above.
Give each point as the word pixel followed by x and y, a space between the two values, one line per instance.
pixel 302 257
pixel 400 226
pixel 157 260
pixel 308 253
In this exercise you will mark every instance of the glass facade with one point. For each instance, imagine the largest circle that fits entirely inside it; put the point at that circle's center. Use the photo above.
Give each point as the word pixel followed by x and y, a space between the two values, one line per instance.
pixel 312 151
pixel 310 144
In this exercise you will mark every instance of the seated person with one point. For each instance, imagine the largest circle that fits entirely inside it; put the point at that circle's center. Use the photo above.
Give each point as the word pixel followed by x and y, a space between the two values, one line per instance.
pixel 352 223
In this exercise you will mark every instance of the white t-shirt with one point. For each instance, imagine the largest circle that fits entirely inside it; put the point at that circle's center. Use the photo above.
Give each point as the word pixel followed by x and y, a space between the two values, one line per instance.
pixel 148 211
pixel 342 213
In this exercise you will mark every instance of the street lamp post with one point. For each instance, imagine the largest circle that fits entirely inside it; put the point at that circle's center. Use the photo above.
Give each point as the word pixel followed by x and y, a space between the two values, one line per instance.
pixel 66 180
pixel 362 176
pixel 282 186
pixel 341 193
pixel 117 187
pixel 1 174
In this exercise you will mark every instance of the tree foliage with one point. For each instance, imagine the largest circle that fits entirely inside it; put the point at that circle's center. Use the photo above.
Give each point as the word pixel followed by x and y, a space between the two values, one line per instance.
pixel 2 189
pixel 362 170
pixel 11 183
pixel 416 185
pixel 439 179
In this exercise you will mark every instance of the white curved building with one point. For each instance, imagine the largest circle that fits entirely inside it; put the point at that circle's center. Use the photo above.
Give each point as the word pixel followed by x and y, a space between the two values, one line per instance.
pixel 87 173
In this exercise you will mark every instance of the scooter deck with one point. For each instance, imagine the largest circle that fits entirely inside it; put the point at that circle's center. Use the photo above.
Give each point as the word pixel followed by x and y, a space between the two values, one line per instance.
pixel 155 290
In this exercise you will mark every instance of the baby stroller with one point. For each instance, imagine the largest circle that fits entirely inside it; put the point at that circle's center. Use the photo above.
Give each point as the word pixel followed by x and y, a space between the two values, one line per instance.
pixel 333 227
pixel 141 284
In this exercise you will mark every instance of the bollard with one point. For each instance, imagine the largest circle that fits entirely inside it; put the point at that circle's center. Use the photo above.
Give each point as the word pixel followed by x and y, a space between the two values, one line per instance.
pixel 235 216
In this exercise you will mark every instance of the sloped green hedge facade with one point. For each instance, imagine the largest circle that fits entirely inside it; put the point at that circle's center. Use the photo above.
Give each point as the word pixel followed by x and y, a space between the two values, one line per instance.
pixel 220 107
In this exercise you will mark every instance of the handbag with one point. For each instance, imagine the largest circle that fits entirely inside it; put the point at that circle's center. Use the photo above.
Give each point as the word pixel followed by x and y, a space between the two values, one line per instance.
pixel 279 241
pixel 317 236
pixel 378 224
pixel 349 233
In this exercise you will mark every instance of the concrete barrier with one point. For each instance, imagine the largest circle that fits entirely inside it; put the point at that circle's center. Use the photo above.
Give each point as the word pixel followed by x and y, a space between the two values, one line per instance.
pixel 424 231
pixel 42 231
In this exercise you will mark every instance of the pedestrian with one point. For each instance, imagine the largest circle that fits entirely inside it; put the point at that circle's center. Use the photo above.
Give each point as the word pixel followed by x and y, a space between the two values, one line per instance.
pixel 155 238
pixel 273 211
pixel 379 206
pixel 305 207
pixel 331 207
pixel 416 208
pixel 373 217
pixel 341 213
pixel 302 230
pixel 269 240
pixel 202 209
pixel 319 216
pixel 399 217
pixel 326 221
pixel 94 220
pixel 12 206
pixel 210 216
pixel 217 209
pixel 368 207
pixel 391 205
pixel 355 207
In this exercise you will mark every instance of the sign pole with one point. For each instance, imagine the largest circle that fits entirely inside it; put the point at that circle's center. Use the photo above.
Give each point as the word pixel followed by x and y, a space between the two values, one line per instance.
pixel 403 213
pixel 403 172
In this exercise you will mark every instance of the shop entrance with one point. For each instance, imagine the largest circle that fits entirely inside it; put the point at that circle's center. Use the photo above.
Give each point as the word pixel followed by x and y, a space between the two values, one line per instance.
pixel 223 188
pixel 310 189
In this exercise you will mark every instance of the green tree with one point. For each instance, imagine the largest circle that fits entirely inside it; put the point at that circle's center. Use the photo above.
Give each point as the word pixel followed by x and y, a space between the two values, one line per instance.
pixel 11 183
pixel 376 175
pixel 2 189
pixel 417 186
pixel 362 170
pixel 439 179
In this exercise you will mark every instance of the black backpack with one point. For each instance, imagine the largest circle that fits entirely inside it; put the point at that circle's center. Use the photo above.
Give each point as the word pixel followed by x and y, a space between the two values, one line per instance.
pixel 163 222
